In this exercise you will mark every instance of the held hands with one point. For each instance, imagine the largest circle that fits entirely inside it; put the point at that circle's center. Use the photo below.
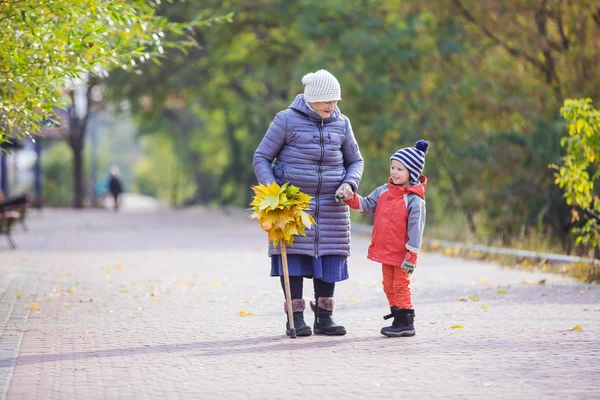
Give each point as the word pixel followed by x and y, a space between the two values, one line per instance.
pixel 344 192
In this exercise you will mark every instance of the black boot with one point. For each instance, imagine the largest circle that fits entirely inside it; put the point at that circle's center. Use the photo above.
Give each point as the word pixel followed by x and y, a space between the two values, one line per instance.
pixel 324 324
pixel 302 329
pixel 403 324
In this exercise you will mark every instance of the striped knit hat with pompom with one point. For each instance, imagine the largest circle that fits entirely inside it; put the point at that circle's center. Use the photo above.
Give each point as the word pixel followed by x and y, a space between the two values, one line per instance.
pixel 413 159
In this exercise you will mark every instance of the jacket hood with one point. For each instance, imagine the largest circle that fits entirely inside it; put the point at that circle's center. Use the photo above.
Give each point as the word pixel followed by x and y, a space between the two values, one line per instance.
pixel 418 189
pixel 299 104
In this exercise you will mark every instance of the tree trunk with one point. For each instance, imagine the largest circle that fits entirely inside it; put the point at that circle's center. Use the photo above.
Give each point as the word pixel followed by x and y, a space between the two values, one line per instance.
pixel 78 187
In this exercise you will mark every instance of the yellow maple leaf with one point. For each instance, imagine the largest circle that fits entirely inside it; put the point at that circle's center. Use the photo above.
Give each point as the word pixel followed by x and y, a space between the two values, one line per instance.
pixel 577 328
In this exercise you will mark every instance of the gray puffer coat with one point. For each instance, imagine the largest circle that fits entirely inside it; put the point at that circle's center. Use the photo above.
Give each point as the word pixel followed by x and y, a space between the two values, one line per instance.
pixel 317 155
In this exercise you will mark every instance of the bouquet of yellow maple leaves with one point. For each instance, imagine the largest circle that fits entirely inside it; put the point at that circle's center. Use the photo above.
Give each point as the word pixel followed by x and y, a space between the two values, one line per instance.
pixel 281 212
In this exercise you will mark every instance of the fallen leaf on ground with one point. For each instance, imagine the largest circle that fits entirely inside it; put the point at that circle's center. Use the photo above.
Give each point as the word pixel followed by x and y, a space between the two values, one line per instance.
pixel 352 301
pixel 153 298
pixel 32 307
pixel 584 292
pixel 501 291
pixel 125 291
pixel 485 306
pixel 577 328
pixel 118 266
pixel 19 294
pixel 544 294
pixel 457 327
pixel 433 322
pixel 245 313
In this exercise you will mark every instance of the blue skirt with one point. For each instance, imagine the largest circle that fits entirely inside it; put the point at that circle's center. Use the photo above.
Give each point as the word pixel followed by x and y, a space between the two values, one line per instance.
pixel 327 268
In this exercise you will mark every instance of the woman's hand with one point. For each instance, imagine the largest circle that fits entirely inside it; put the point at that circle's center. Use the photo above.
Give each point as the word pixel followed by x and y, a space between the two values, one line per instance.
pixel 344 192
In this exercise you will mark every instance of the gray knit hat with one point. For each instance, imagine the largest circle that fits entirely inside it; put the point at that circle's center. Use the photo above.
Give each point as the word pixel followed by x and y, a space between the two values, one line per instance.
pixel 413 159
pixel 321 86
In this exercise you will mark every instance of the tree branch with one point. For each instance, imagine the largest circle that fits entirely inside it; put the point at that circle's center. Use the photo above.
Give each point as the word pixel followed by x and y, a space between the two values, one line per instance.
pixel 561 29
pixel 497 40
pixel 596 16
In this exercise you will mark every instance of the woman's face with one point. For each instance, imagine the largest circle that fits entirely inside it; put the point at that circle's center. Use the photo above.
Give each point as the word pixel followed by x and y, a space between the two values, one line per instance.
pixel 399 174
pixel 324 108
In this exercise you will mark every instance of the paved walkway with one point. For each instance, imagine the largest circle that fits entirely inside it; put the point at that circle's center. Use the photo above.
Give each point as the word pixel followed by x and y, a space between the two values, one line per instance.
pixel 100 305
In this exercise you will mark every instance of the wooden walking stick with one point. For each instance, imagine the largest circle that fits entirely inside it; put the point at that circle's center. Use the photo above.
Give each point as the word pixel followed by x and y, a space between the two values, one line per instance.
pixel 288 292
pixel 281 211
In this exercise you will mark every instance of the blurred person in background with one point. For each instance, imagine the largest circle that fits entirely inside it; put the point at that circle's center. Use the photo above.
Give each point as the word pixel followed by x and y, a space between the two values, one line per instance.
pixel 115 187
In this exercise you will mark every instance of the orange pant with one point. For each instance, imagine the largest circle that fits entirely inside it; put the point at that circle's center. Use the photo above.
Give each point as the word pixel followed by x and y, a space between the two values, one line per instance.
pixel 396 286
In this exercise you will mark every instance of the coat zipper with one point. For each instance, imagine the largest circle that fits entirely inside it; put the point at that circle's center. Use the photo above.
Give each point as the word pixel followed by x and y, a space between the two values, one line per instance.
pixel 319 189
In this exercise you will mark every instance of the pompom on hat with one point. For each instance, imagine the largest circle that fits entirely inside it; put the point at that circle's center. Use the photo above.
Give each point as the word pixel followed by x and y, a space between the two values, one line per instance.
pixel 321 86
pixel 413 159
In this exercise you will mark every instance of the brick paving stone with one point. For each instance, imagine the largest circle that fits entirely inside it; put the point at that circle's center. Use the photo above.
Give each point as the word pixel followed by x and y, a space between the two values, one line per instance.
pixel 146 306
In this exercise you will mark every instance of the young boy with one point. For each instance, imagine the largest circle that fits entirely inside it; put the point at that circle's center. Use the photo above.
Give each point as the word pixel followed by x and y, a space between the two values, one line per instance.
pixel 399 208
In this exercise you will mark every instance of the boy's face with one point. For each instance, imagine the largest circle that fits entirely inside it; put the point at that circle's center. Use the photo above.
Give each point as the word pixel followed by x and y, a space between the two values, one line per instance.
pixel 399 174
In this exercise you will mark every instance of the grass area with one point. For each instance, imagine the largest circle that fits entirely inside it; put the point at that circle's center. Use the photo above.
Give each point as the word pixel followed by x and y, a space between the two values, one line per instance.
pixel 588 272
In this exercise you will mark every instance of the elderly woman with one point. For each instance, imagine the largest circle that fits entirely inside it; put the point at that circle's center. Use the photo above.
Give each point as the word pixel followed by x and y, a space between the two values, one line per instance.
pixel 311 145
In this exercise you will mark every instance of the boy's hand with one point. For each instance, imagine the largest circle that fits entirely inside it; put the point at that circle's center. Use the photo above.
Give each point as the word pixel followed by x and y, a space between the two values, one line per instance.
pixel 344 192
pixel 408 267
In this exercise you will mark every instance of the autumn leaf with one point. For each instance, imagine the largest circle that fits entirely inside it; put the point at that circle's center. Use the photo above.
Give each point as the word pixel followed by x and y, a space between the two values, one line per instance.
pixel 245 313
pixel 457 327
pixel 19 294
pixel 501 291
pixel 576 328
pixel 33 307
pixel 485 306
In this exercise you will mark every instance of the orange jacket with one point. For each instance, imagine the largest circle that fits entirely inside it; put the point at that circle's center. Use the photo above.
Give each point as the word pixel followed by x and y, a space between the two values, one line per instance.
pixel 399 221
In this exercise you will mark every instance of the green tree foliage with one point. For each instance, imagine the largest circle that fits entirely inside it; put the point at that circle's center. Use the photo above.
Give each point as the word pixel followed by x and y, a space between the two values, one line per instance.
pixel 45 46
pixel 168 182
pixel 580 169
pixel 57 181
pixel 481 80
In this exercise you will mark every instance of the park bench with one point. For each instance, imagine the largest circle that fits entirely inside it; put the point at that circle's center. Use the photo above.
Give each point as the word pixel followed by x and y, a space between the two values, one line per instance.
pixel 18 205
pixel 19 209
pixel 7 220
